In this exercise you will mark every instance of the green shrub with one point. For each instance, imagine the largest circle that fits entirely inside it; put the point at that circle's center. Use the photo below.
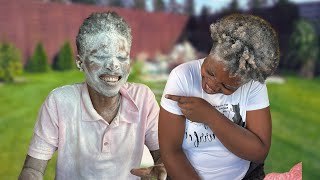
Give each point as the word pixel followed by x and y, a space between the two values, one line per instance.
pixel 136 70
pixel 65 59
pixel 10 62
pixel 38 61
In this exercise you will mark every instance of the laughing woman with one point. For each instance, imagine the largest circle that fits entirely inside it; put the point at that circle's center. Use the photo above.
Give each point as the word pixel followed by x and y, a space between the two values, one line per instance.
pixel 215 121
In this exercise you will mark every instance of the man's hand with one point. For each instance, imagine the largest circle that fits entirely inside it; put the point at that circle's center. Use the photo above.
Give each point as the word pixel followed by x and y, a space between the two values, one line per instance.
pixel 193 108
pixel 157 171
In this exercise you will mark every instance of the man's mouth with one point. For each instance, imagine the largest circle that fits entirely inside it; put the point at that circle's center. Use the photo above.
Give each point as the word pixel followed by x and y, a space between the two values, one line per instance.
pixel 110 78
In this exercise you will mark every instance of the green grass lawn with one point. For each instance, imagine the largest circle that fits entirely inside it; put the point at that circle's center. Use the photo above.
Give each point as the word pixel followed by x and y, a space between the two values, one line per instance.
pixel 294 107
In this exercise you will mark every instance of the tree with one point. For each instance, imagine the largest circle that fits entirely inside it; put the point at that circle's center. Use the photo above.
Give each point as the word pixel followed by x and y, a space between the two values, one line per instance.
pixel 10 62
pixel 140 4
pixel 205 12
pixel 65 59
pixel 190 7
pixel 234 5
pixel 84 1
pixel 304 47
pixel 254 4
pixel 158 5
pixel 117 3
pixel 38 61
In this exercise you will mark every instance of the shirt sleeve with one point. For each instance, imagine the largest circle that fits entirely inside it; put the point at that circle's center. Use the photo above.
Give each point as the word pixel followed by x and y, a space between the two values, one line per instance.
pixel 174 86
pixel 45 137
pixel 151 136
pixel 258 96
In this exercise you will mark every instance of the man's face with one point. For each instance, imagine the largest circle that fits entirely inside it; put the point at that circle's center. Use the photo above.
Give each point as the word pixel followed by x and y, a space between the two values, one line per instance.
pixel 106 62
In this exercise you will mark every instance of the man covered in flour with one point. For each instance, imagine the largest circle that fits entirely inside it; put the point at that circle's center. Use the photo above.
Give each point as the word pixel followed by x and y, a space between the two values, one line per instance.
pixel 99 127
pixel 214 119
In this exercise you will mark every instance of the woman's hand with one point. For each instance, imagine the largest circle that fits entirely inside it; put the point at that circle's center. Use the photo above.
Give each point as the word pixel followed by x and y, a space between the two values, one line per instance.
pixel 193 108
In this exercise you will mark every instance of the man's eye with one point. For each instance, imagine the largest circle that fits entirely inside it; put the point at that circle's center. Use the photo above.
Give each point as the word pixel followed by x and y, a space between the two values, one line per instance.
pixel 100 57
pixel 122 58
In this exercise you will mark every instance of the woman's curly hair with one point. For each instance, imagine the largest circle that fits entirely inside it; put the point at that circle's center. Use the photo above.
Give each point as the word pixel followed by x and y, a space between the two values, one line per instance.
pixel 248 46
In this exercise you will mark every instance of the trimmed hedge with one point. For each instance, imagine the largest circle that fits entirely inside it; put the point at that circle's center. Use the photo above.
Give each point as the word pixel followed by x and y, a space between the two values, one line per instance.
pixel 65 59
pixel 38 61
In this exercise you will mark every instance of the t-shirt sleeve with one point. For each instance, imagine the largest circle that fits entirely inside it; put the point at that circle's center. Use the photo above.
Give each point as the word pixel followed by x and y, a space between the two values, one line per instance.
pixel 45 137
pixel 151 136
pixel 175 86
pixel 258 96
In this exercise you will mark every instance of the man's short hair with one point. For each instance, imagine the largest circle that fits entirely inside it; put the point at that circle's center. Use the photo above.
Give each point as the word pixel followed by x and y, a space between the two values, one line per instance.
pixel 100 22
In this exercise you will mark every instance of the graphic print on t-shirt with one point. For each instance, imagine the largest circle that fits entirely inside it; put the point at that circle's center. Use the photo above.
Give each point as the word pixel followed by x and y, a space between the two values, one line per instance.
pixel 199 134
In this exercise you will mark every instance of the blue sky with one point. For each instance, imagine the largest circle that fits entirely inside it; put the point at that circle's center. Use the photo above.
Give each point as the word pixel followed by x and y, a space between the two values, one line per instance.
pixel 216 5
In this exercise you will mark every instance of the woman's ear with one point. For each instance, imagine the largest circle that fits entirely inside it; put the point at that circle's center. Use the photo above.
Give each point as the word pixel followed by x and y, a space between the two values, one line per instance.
pixel 79 63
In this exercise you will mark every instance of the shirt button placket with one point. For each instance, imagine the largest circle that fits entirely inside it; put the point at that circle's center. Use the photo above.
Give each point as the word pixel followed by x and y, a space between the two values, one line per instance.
pixel 106 144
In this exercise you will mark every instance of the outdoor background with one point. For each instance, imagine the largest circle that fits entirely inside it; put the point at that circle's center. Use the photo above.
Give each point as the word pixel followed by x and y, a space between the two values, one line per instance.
pixel 37 50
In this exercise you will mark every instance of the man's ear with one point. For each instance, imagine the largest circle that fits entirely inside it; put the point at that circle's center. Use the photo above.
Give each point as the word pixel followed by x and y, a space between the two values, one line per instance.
pixel 79 62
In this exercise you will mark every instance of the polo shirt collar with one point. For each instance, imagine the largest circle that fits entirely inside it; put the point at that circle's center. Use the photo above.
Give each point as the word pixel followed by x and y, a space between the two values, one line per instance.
pixel 128 111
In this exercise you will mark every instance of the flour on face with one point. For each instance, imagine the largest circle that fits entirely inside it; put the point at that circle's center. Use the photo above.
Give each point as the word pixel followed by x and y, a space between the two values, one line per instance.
pixel 106 62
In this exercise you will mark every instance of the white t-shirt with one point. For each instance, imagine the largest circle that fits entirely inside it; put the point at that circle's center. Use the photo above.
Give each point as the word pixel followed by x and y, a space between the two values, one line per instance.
pixel 88 146
pixel 203 149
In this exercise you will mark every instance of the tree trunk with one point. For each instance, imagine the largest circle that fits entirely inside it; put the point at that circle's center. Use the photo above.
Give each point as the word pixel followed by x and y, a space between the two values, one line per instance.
pixel 308 68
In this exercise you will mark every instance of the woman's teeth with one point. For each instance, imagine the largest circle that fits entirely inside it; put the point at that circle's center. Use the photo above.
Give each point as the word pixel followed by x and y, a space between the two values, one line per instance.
pixel 208 88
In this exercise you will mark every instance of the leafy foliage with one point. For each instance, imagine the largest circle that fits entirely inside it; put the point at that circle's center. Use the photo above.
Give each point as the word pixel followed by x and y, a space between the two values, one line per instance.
pixel 140 4
pixel 38 61
pixel 10 62
pixel 84 1
pixel 304 47
pixel 158 5
pixel 190 7
pixel 136 70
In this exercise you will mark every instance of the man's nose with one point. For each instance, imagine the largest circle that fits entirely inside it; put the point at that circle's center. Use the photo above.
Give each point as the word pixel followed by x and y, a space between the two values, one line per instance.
pixel 113 65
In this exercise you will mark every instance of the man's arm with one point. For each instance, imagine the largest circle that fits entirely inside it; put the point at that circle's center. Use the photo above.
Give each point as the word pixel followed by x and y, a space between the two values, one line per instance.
pixel 156 156
pixel 33 169
pixel 157 170
pixel 171 133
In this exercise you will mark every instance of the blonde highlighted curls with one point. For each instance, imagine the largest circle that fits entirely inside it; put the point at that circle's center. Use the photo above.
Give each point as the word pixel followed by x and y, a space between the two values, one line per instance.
pixel 247 45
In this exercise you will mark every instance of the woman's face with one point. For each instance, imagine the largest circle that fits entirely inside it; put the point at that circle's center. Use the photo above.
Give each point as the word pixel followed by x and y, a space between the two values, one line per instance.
pixel 216 79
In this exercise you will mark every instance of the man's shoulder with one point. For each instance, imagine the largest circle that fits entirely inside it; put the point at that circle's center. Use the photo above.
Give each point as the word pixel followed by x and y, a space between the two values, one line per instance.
pixel 136 88
pixel 66 92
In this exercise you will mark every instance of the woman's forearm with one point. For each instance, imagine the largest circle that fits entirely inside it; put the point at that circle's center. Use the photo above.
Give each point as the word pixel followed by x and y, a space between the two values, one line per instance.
pixel 240 141
pixel 171 133
pixel 178 166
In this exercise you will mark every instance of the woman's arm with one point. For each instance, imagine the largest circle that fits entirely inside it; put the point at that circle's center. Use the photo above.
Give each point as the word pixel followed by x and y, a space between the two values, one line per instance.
pixel 251 143
pixel 171 133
